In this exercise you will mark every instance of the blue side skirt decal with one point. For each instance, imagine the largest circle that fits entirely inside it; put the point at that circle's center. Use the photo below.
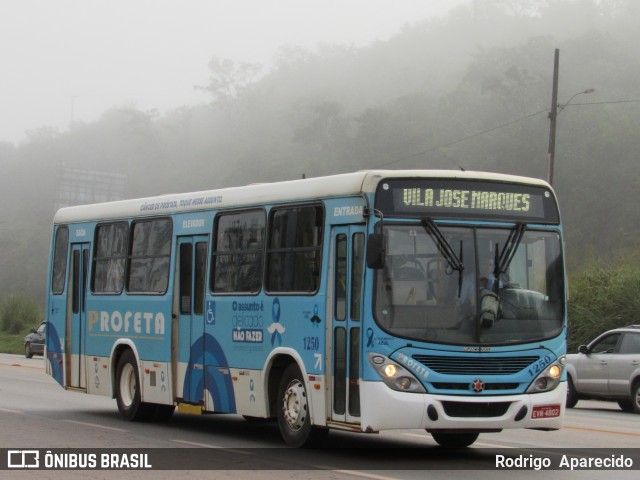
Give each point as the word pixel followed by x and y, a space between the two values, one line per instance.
pixel 215 377
pixel 54 353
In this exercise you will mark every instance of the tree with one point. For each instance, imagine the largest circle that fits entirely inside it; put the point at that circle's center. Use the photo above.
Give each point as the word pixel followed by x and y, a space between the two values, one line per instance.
pixel 229 80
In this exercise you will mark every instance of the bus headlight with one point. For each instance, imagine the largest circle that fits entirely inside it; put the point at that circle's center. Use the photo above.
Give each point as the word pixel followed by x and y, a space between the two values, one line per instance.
pixel 390 370
pixel 549 378
pixel 394 375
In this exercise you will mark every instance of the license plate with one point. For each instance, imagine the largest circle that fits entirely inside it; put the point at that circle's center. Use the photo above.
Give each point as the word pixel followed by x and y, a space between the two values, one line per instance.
pixel 545 411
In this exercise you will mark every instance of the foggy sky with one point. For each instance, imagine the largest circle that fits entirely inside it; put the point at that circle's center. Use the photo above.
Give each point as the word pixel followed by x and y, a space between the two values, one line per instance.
pixel 65 60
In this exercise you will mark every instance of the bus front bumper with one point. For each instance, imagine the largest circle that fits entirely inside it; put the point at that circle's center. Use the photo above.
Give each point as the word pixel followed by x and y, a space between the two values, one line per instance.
pixel 386 409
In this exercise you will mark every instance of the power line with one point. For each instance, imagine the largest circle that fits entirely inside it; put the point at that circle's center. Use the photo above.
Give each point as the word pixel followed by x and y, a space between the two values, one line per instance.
pixel 484 132
pixel 464 139
pixel 603 103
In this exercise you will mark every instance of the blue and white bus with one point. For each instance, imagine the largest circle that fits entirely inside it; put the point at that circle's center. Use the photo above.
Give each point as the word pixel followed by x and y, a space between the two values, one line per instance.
pixel 368 301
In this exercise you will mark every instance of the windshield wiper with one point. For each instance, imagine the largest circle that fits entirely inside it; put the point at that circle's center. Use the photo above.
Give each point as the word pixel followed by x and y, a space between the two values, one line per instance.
pixel 502 262
pixel 445 249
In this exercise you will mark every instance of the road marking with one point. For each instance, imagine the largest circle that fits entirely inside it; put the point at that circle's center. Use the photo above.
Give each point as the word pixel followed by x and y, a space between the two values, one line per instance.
pixel 356 473
pixel 195 444
pixel 10 362
pixel 96 425
pixel 8 410
pixel 613 432
pixel 417 435
pixel 24 366
pixel 208 445
pixel 490 445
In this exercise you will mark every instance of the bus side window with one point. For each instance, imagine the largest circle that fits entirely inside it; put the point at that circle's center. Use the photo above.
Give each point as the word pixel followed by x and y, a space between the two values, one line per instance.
pixel 295 248
pixel 109 258
pixel 150 256
pixel 61 250
pixel 340 280
pixel 237 255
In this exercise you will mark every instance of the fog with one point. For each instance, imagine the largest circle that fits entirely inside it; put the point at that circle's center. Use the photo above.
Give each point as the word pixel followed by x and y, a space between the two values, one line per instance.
pixel 467 87
pixel 70 60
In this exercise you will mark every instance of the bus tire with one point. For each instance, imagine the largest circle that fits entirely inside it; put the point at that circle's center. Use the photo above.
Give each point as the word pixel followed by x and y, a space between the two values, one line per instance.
pixel 128 398
pixel 454 440
pixel 294 419
pixel 572 395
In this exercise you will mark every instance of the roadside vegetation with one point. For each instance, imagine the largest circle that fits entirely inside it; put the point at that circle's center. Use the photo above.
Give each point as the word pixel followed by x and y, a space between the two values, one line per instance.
pixel 18 312
pixel 18 315
pixel 603 296
pixel 12 343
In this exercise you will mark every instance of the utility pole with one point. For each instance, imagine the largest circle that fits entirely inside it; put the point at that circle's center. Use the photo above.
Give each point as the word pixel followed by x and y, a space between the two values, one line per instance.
pixel 553 115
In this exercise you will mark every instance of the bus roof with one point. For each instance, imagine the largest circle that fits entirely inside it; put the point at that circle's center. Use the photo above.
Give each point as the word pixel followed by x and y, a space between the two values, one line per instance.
pixel 265 193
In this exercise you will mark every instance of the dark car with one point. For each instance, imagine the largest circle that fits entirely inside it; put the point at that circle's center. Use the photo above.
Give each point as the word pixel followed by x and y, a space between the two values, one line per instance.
pixel 34 342
pixel 607 369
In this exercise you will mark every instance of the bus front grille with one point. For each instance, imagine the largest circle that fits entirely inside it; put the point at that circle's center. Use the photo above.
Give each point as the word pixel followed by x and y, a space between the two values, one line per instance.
pixel 483 365
pixel 468 387
pixel 475 410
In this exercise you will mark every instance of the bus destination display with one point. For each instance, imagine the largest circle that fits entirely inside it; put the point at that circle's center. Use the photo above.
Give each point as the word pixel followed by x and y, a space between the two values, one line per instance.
pixel 466 199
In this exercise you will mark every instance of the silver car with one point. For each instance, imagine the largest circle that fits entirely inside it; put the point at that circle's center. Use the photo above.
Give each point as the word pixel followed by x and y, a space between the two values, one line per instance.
pixel 607 369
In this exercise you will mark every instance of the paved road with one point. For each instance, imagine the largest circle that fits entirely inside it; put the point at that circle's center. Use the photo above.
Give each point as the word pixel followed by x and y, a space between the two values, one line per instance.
pixel 36 413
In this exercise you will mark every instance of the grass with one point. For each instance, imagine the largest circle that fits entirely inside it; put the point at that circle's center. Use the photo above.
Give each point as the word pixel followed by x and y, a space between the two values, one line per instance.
pixel 12 343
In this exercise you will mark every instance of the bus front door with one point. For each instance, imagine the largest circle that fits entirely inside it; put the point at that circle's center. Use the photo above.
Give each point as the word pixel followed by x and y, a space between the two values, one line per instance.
pixel 75 372
pixel 191 279
pixel 348 268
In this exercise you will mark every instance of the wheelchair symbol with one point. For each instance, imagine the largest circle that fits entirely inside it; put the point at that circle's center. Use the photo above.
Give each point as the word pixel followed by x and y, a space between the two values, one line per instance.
pixel 211 313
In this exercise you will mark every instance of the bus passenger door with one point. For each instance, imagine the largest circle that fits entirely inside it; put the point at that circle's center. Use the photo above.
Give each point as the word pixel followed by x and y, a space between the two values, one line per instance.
pixel 348 267
pixel 76 317
pixel 191 279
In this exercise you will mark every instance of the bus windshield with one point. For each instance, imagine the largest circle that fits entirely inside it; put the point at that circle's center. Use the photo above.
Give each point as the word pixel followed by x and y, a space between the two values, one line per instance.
pixel 504 287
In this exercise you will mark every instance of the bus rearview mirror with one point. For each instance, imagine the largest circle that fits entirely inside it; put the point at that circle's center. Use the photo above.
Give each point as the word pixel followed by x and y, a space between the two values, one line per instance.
pixel 375 251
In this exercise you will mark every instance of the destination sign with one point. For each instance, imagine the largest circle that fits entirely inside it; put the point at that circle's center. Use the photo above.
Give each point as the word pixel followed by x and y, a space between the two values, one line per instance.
pixel 466 199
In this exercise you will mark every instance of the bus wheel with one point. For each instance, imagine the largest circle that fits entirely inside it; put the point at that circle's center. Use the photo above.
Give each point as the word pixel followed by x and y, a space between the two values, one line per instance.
pixel 294 419
pixel 454 440
pixel 572 395
pixel 130 406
